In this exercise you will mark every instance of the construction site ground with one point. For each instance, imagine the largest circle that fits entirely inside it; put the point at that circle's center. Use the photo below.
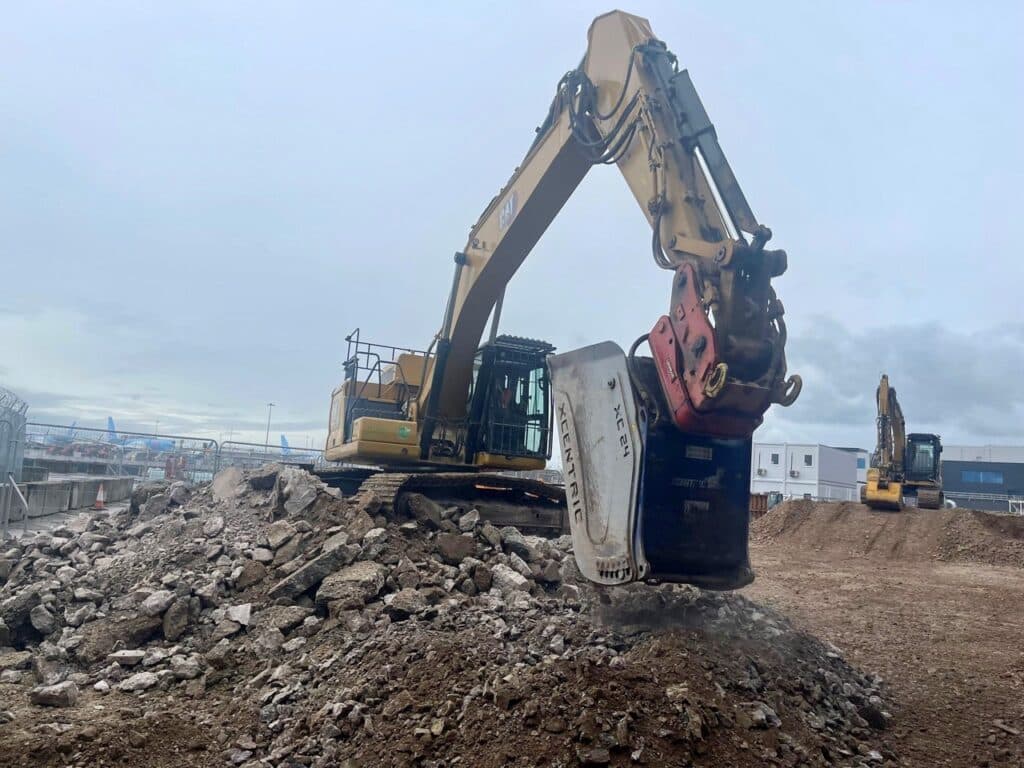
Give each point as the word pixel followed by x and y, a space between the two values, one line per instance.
pixel 264 621
pixel 933 601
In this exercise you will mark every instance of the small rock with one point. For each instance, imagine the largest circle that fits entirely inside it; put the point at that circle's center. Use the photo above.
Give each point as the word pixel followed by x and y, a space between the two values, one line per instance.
pixel 140 681
pixel 101 686
pixel 185 667
pixel 514 542
pixel 226 629
pixel 78 617
pixel 213 526
pixel 508 580
pixel 279 532
pixel 44 622
pixel 469 521
pixel 240 613
pixel 263 555
pixel 126 658
pixel 157 603
pixel 454 548
pixel 404 604
pixel 176 620
pixel 491 535
pixel 593 756
pixel 60 695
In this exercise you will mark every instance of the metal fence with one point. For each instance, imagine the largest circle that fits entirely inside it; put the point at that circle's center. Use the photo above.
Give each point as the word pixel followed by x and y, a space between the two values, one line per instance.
pixel 71 450
pixel 12 448
pixel 60 449
pixel 234 453
pixel 12 433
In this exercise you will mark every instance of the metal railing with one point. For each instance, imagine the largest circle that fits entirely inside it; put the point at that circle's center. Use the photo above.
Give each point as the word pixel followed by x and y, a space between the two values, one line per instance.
pixel 145 455
pixel 8 491
pixel 71 449
pixel 236 453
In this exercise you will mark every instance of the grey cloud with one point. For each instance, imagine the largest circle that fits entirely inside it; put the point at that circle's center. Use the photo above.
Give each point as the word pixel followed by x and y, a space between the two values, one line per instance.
pixel 950 382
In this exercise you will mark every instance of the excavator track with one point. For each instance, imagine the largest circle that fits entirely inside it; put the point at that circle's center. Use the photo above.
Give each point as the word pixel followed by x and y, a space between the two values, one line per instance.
pixel 929 498
pixel 530 505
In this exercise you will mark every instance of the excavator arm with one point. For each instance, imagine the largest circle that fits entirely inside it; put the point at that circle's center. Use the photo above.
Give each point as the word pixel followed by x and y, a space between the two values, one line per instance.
pixel 884 486
pixel 629 105
pixel 669 434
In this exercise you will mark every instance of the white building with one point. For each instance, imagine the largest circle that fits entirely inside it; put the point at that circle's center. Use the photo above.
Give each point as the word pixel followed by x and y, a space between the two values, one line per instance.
pixel 805 470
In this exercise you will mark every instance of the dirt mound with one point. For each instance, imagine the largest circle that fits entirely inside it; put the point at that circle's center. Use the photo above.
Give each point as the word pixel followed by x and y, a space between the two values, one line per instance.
pixel 961 535
pixel 266 621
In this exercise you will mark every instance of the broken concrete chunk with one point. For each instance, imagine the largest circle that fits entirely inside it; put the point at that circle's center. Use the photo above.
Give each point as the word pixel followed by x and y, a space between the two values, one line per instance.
pixel 491 535
pixel 15 660
pixel 282 617
pixel 313 572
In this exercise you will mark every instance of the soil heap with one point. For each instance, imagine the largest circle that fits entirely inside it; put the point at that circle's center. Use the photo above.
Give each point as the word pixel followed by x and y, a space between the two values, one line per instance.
pixel 955 535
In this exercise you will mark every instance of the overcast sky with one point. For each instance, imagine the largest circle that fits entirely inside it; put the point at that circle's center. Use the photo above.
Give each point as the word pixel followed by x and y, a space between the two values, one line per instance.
pixel 198 201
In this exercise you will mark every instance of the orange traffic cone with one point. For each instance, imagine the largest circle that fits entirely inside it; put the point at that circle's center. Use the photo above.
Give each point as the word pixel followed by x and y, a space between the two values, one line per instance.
pixel 101 499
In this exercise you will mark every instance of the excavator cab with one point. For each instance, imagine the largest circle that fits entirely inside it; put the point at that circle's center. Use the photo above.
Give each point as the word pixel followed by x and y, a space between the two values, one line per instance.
pixel 922 457
pixel 509 412
pixel 923 471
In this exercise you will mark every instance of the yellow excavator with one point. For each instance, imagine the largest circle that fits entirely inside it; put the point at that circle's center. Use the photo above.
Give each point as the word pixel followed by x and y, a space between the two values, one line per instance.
pixel 655 448
pixel 905 469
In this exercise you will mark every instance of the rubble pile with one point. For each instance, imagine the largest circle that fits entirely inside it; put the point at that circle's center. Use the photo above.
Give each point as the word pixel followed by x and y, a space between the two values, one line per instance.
pixel 264 620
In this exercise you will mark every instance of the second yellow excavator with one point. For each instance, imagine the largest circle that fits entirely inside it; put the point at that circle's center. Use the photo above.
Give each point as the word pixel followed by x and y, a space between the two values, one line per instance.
pixel 904 468
pixel 655 449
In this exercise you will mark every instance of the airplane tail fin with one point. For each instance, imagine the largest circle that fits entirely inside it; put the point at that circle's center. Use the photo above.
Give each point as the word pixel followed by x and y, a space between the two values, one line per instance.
pixel 111 430
pixel 285 448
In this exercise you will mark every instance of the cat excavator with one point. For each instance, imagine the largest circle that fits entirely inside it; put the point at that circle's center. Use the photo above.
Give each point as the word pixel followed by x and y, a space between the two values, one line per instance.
pixel 655 447
pixel 904 468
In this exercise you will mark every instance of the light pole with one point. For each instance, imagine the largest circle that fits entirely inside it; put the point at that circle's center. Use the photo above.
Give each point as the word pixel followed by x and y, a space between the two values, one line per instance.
pixel 270 407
